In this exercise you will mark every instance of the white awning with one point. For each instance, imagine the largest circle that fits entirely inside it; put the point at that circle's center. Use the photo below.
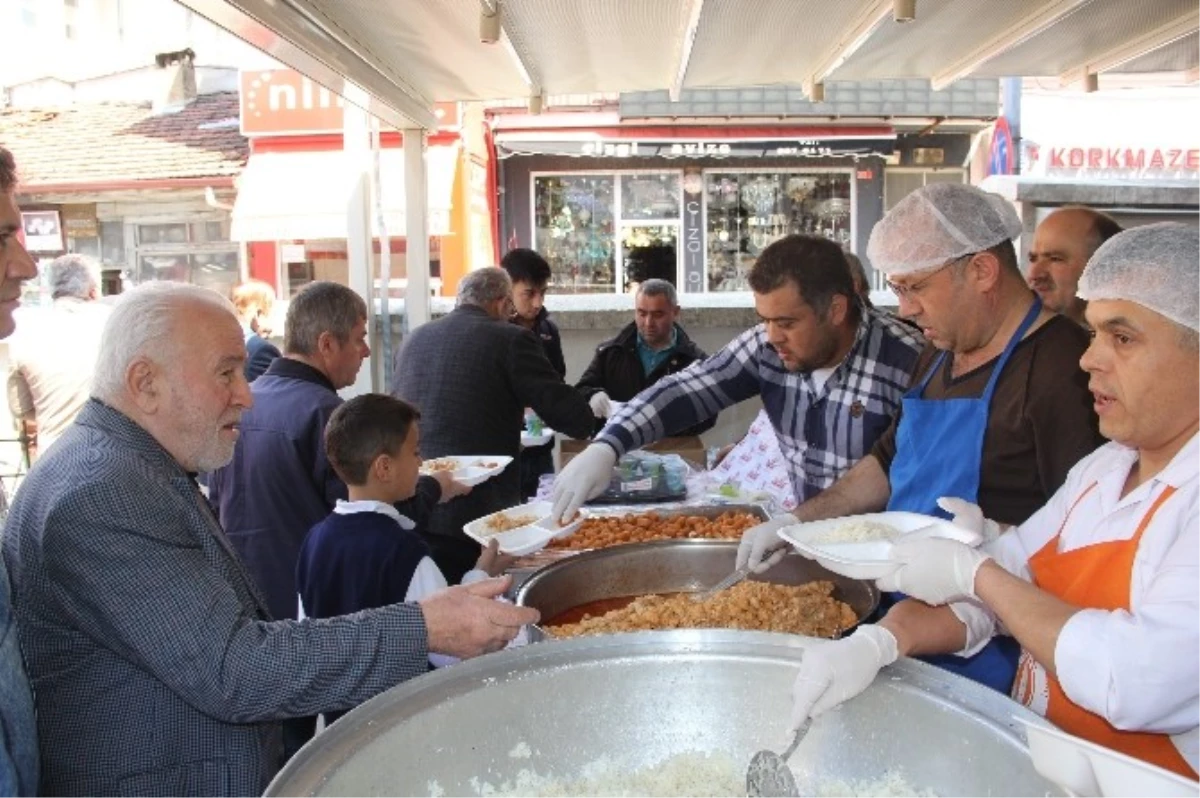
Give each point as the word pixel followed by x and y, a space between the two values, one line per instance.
pixel 305 195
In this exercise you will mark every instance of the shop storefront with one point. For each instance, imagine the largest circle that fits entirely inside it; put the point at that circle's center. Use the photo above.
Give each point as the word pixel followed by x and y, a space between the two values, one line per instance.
pixel 291 208
pixel 695 206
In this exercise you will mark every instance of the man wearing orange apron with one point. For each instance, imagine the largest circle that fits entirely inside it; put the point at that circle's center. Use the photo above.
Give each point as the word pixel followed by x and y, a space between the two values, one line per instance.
pixel 1100 586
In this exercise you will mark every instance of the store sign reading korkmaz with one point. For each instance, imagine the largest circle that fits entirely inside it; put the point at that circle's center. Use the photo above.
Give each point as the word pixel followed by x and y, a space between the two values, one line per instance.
pixel 1117 161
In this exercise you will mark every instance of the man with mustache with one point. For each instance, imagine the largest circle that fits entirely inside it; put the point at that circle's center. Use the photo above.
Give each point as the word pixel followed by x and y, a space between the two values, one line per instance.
pixel 157 667
pixel 830 371
pixel 1062 244
pixel 1100 586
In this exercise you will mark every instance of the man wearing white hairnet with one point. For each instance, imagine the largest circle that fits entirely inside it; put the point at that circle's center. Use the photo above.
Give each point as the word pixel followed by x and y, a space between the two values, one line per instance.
pixel 1100 586
pixel 998 411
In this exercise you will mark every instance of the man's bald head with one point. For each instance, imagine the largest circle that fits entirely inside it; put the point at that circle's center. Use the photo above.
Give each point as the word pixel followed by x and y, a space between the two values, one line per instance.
pixel 1062 245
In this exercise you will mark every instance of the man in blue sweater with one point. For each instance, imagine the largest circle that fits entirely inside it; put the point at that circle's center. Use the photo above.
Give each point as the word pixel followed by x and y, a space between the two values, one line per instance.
pixel 280 483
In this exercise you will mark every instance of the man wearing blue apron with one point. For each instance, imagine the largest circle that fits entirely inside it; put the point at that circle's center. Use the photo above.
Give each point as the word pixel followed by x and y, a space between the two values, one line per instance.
pixel 999 410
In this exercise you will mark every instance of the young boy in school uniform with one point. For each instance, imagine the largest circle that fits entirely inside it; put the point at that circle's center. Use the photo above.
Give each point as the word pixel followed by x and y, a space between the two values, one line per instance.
pixel 367 554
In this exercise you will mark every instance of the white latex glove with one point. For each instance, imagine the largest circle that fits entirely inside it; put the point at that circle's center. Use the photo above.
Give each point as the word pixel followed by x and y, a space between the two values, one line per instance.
pixel 601 405
pixel 587 475
pixel 934 570
pixel 833 672
pixel 970 517
pixel 761 546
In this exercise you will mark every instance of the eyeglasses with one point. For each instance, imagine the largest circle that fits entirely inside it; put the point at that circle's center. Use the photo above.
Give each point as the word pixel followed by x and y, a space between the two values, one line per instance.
pixel 914 290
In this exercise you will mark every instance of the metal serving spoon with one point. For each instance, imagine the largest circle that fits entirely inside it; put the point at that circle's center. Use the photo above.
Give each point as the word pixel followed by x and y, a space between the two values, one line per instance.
pixel 769 774
pixel 724 584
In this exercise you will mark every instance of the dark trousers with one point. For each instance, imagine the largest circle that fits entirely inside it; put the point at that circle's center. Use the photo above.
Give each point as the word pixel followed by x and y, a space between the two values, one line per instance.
pixel 454 556
pixel 535 461
pixel 297 732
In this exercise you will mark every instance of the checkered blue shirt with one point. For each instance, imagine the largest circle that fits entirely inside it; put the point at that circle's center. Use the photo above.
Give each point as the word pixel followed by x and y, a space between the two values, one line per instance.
pixel 822 431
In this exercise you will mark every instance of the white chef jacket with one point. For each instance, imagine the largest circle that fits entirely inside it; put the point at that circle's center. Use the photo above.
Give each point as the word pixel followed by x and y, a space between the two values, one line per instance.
pixel 1141 669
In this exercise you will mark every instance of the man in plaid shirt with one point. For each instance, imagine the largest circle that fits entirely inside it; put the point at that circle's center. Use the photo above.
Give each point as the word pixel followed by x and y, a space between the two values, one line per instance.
pixel 830 371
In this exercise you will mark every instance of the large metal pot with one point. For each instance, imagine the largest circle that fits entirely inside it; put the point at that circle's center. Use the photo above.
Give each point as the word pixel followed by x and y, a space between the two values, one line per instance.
pixel 640 698
pixel 670 566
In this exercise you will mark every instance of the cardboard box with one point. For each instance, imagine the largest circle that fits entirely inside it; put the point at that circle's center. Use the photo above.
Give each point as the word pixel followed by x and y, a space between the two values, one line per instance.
pixel 690 448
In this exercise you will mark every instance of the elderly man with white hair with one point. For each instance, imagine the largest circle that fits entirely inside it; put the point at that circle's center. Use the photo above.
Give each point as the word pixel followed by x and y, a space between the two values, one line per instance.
pixel 1100 587
pixel 998 410
pixel 156 666
pixel 52 356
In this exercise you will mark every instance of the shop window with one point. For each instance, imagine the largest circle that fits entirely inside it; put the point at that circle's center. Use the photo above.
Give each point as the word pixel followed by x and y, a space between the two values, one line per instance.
pixel 749 210
pixel 650 196
pixel 198 252
pixel 574 229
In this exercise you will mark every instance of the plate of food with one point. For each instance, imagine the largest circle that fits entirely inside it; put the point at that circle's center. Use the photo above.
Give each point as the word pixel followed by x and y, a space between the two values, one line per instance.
pixel 520 530
pixel 469 469
pixel 860 546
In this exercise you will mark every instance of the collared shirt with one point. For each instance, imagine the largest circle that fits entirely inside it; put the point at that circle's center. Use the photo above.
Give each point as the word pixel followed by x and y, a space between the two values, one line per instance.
pixel 822 431
pixel 1138 669
pixel 344 507
pixel 653 358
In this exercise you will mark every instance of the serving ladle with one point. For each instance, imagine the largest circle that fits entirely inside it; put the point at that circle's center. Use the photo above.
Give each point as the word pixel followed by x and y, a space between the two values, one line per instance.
pixel 769 774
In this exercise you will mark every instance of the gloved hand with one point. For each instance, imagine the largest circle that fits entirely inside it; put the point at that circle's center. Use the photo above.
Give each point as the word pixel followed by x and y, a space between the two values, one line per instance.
pixel 761 547
pixel 969 516
pixel 833 672
pixel 601 405
pixel 934 570
pixel 584 477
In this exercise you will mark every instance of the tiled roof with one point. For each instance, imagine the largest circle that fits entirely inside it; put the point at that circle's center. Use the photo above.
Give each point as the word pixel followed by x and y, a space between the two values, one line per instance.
pixel 116 142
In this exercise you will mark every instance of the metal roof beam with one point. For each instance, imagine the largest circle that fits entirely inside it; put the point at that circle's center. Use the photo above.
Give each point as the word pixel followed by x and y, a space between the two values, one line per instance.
pixel 1022 30
pixel 293 32
pixel 1134 48
pixel 685 49
pixel 864 24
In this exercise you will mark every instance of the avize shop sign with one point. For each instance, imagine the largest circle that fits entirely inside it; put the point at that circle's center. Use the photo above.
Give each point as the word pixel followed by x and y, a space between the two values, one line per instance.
pixel 1122 160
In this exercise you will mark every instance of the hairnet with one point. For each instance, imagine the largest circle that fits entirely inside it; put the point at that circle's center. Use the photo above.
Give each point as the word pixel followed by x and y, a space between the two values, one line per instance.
pixel 938 223
pixel 1155 265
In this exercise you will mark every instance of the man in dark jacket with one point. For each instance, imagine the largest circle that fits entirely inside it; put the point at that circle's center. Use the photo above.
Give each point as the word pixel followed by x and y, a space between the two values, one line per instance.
pixel 472 374
pixel 280 483
pixel 648 349
pixel 530 274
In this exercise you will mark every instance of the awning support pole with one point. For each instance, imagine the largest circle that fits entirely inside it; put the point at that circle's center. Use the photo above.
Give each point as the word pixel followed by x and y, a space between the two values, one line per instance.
pixel 356 141
pixel 416 215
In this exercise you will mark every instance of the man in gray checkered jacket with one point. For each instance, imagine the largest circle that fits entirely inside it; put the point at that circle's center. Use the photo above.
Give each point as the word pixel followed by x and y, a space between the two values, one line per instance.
pixel 156 668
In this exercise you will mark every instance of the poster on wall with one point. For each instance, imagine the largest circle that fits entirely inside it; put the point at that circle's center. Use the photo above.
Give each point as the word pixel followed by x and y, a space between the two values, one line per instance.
pixel 43 231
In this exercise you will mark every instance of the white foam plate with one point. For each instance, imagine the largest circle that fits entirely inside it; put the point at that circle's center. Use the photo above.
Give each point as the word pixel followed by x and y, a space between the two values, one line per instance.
pixel 472 469
pixel 528 440
pixel 870 560
pixel 525 539
pixel 1083 768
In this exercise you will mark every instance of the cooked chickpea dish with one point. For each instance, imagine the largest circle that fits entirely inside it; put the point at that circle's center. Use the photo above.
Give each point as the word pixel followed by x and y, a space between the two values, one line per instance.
pixel 808 609
pixel 599 533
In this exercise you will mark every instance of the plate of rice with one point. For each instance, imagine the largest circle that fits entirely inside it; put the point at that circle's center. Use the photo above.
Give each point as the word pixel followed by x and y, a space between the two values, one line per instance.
pixel 860 546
